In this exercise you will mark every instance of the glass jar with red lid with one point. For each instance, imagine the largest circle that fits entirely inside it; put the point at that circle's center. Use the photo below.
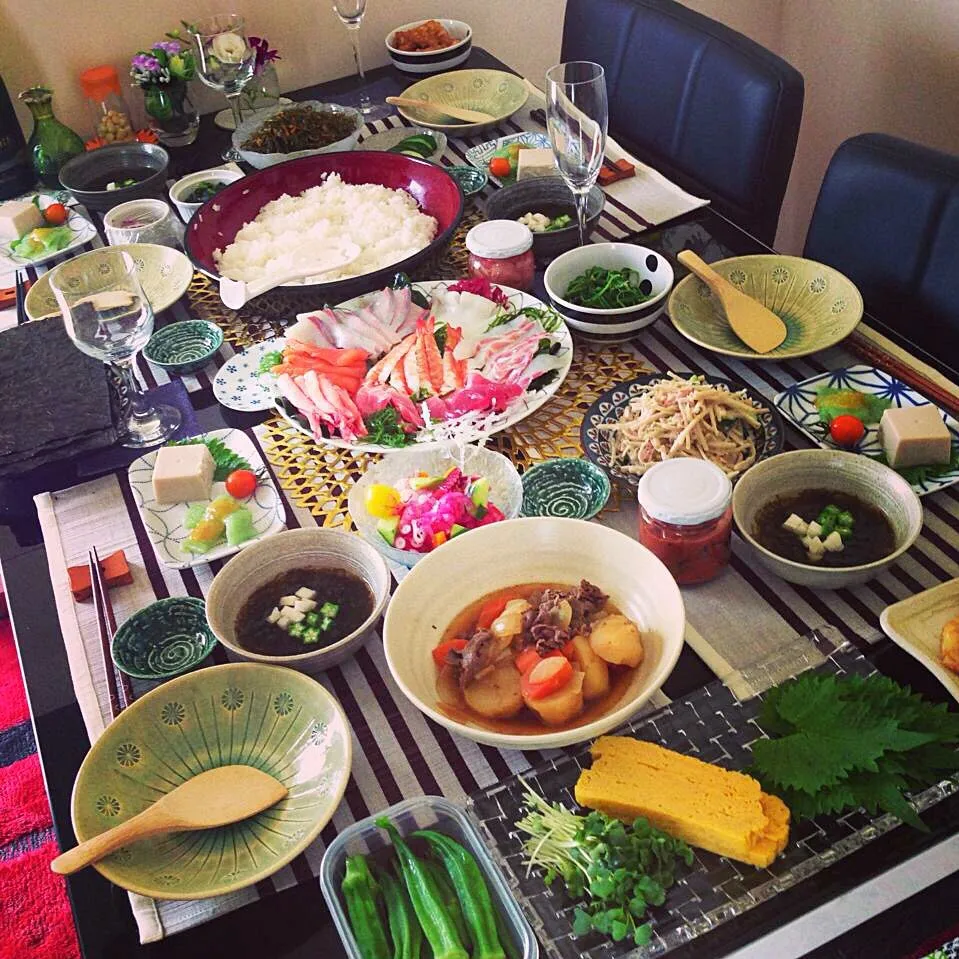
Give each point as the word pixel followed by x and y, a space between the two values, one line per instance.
pixel 501 251
pixel 108 110
pixel 685 517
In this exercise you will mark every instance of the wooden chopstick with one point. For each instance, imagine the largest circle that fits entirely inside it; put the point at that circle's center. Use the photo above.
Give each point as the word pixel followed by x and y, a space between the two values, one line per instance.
pixel 121 694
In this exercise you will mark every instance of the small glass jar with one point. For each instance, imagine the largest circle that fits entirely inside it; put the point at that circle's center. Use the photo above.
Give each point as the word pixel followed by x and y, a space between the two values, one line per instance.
pixel 143 221
pixel 686 518
pixel 105 103
pixel 501 251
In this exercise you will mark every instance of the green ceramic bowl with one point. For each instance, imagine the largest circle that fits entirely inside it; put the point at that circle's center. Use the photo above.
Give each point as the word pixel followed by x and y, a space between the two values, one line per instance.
pixel 818 304
pixel 184 347
pixel 164 639
pixel 275 719
pixel 471 180
pixel 576 489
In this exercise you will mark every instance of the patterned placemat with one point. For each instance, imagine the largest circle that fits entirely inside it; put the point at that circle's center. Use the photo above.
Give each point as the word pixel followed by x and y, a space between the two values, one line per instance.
pixel 318 478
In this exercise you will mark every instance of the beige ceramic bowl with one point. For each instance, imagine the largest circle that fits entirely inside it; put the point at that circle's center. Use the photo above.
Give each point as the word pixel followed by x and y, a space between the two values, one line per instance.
pixel 266 559
pixel 536 550
pixel 848 473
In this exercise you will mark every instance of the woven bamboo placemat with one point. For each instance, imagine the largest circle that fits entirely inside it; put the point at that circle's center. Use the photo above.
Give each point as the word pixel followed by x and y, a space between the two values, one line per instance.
pixel 318 478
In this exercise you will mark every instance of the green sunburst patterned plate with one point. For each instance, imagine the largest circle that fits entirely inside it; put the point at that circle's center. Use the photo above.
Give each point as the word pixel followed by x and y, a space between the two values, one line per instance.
pixel 275 719
pixel 818 304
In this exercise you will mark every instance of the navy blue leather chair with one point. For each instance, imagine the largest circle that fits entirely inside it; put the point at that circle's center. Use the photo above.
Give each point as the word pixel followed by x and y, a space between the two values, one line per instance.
pixel 888 217
pixel 703 104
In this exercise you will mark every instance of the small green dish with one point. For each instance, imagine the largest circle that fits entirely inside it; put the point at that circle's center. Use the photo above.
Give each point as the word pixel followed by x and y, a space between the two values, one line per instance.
pixel 164 639
pixel 575 489
pixel 184 347
pixel 471 180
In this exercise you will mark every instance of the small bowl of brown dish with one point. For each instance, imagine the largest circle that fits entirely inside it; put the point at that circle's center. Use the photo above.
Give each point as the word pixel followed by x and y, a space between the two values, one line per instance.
pixel 308 598
pixel 430 46
pixel 297 130
pixel 547 206
pixel 824 518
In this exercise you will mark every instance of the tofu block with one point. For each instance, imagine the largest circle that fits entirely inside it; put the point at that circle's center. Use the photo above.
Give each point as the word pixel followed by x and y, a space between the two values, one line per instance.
pixel 183 474
pixel 535 161
pixel 914 436
pixel 705 805
pixel 18 218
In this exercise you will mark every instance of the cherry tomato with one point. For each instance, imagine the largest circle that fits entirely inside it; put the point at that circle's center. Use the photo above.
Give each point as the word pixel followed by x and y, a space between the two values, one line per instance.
pixel 499 166
pixel 846 430
pixel 241 484
pixel 55 214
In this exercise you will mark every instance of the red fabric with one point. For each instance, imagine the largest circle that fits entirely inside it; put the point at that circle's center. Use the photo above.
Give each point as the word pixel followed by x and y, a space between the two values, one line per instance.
pixel 23 800
pixel 13 700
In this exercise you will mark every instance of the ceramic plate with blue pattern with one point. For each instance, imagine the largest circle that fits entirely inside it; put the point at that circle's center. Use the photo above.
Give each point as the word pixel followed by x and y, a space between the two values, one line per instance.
pixel 164 522
pixel 769 438
pixel 798 405
pixel 240 386
pixel 479 156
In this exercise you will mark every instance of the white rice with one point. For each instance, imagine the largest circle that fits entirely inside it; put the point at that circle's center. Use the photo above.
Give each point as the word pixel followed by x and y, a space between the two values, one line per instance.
pixel 291 231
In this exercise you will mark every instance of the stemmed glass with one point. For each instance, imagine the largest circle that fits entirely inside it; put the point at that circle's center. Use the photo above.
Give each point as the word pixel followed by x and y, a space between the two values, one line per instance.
pixel 108 317
pixel 351 13
pixel 225 58
pixel 577 113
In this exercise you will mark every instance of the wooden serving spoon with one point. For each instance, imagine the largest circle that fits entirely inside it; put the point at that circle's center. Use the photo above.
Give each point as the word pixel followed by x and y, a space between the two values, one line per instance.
pixel 758 327
pixel 457 113
pixel 216 797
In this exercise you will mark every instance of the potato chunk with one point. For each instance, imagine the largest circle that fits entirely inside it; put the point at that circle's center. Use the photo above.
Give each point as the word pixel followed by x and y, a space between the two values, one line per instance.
pixel 563 705
pixel 594 669
pixel 496 693
pixel 616 639
pixel 950 645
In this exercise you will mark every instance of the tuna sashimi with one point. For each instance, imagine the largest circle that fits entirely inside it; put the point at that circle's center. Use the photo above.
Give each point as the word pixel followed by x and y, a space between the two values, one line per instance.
pixel 480 394
pixel 372 397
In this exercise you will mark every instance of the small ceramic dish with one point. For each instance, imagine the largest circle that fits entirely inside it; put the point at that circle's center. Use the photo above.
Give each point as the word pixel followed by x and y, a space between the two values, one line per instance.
pixel 261 161
pixel 187 184
pixel 817 303
pixel 916 625
pixel 610 325
pixel 184 347
pixel 480 155
pixel 388 139
pixel 238 384
pixel 278 720
pixel 471 180
pixel 574 488
pixel 494 92
pixel 164 639
pixel 859 476
pixel 432 61
pixel 87 175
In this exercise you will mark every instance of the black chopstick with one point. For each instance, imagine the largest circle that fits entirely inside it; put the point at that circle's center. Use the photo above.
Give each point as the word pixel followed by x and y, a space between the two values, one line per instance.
pixel 21 298
pixel 121 694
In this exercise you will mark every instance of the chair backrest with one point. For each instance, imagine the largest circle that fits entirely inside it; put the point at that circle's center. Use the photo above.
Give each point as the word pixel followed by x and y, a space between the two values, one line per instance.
pixel 887 216
pixel 705 105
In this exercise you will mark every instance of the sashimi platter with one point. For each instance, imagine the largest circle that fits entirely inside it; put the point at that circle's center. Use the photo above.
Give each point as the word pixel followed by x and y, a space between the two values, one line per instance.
pixel 419 364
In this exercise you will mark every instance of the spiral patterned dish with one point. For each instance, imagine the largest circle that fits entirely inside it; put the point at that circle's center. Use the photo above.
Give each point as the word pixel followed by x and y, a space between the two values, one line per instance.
pixel 164 639
pixel 575 489
pixel 184 347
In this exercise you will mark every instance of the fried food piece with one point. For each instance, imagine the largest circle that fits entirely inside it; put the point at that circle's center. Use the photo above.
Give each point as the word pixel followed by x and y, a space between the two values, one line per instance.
pixel 431 35
pixel 949 648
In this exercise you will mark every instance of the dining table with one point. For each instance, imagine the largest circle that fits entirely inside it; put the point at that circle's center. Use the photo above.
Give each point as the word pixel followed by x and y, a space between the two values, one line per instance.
pixel 732 624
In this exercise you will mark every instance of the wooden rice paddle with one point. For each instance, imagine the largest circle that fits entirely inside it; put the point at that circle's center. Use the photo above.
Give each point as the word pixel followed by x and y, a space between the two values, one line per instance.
pixel 756 325
pixel 457 113
pixel 216 797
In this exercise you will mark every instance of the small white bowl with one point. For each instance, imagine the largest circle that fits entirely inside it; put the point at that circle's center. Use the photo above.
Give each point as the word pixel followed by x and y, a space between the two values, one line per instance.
pixel 433 61
pixel 185 184
pixel 849 473
pixel 506 488
pixel 537 550
pixel 616 324
pixel 258 564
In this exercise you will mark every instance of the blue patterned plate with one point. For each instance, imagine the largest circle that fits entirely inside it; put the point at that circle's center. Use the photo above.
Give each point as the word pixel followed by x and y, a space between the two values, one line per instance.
pixel 798 405
pixel 164 523
pixel 238 384
pixel 769 438
pixel 479 156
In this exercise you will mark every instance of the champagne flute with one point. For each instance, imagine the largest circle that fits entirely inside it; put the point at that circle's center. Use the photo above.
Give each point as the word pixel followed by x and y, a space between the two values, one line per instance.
pixel 351 13
pixel 225 58
pixel 577 114
pixel 108 316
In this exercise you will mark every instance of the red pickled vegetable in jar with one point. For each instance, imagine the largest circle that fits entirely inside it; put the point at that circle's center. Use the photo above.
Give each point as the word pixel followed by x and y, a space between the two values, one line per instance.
pixel 501 251
pixel 685 518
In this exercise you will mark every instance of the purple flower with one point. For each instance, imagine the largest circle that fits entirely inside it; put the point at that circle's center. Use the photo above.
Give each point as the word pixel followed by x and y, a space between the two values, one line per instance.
pixel 264 54
pixel 143 61
pixel 169 47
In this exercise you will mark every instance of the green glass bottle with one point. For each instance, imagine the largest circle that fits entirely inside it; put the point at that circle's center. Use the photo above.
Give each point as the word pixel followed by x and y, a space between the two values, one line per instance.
pixel 52 143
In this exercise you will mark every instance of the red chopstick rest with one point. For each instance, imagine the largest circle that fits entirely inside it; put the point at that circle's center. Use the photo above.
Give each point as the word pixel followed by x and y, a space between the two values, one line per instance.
pixel 115 569
pixel 619 170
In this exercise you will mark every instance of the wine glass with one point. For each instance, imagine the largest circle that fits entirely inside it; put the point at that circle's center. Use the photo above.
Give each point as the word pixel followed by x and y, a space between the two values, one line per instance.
pixel 108 317
pixel 577 113
pixel 351 13
pixel 225 58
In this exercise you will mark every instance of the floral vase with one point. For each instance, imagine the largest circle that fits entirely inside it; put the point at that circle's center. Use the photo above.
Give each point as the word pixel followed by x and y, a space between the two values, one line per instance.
pixel 52 143
pixel 174 119
pixel 262 92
